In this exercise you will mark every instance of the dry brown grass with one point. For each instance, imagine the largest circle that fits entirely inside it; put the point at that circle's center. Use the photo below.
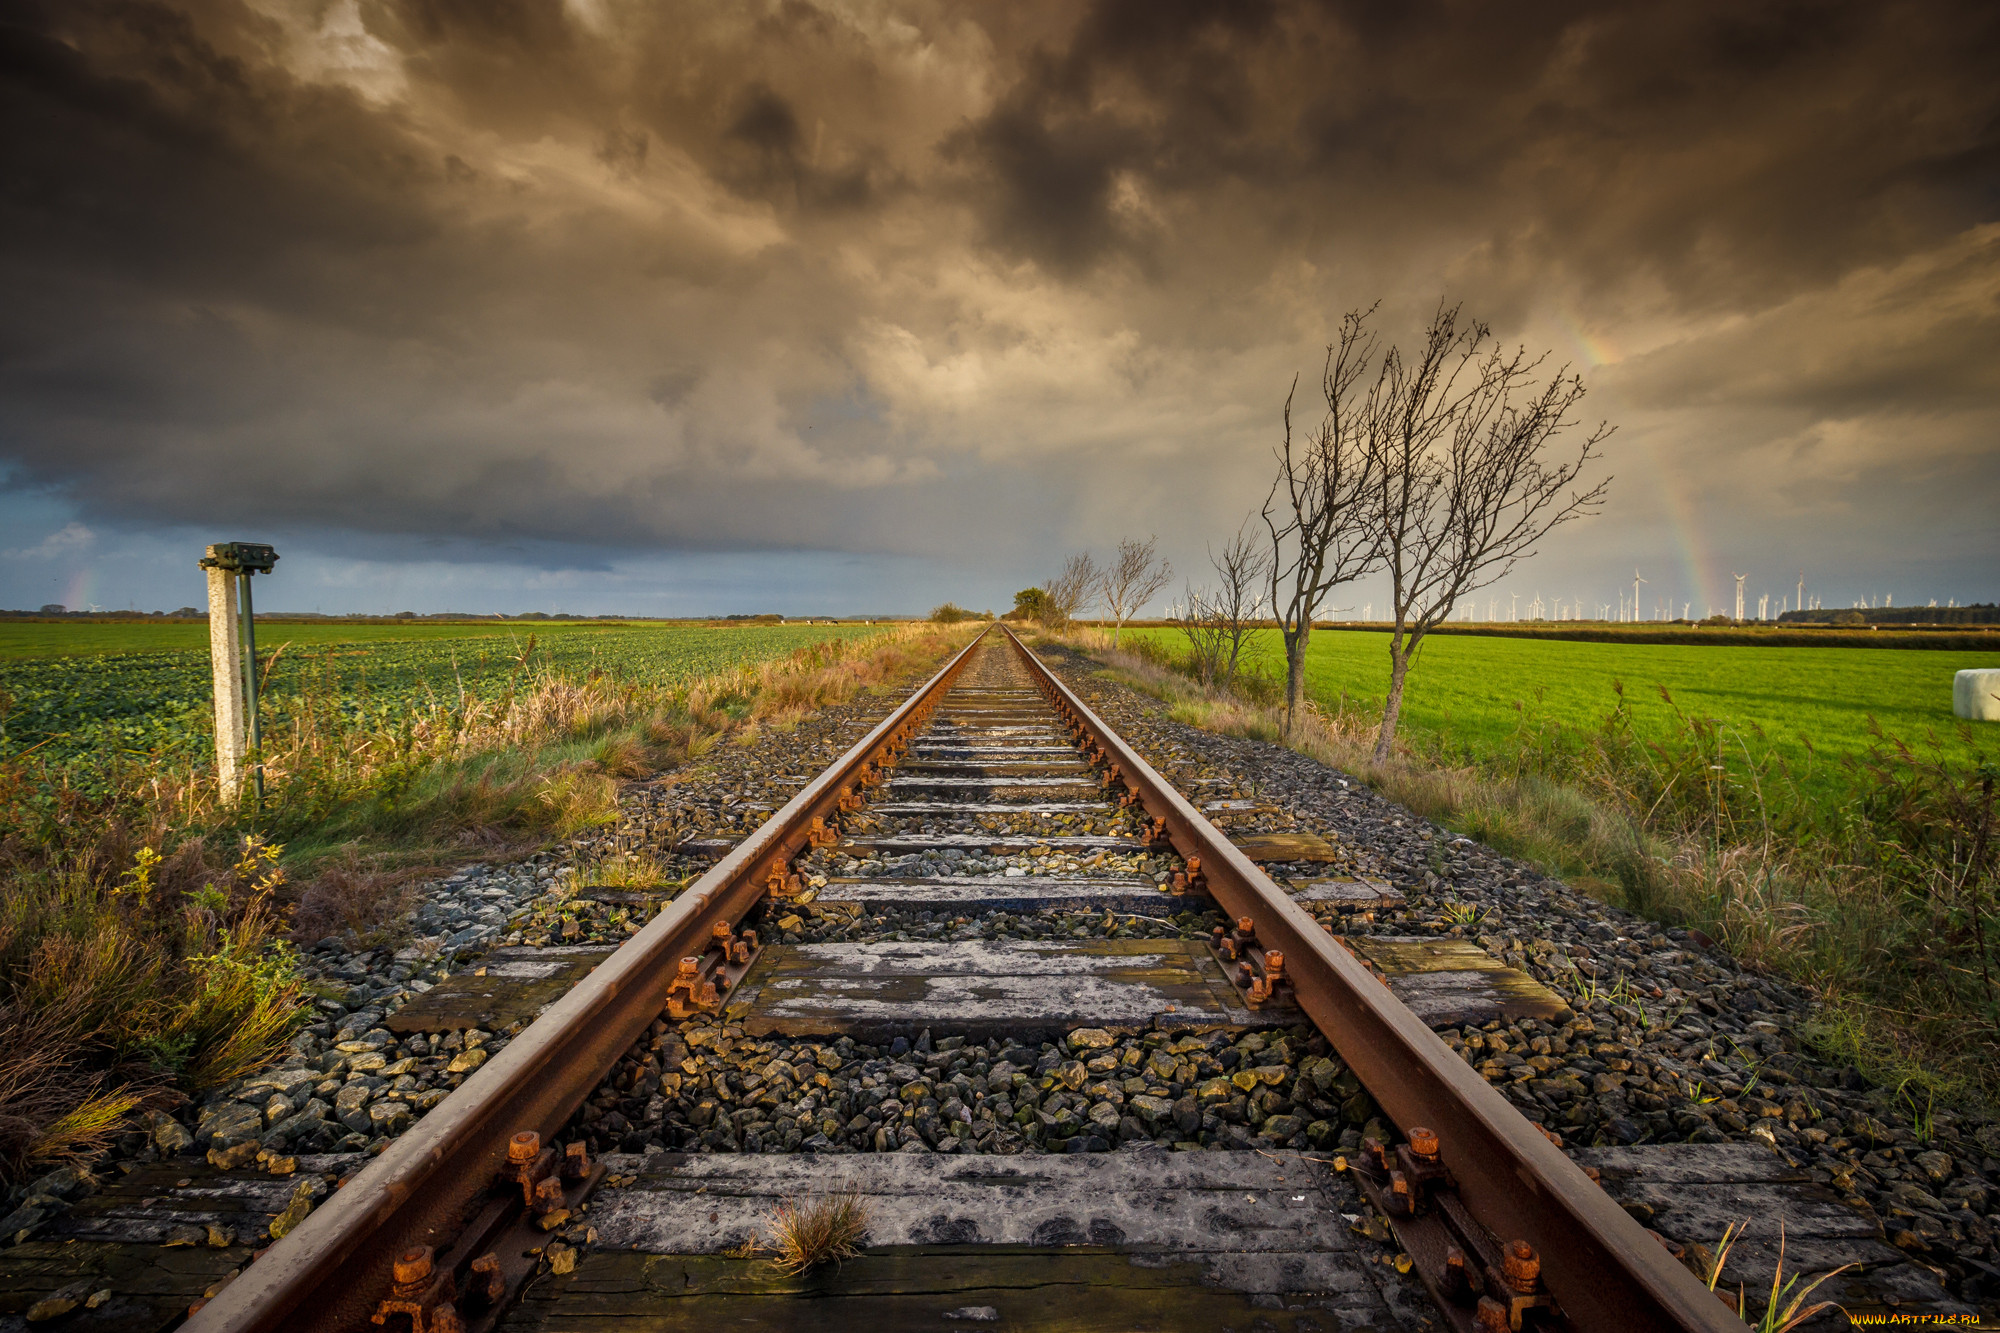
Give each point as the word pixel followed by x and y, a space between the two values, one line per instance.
pixel 115 993
pixel 629 870
pixel 828 1229
pixel 551 764
pixel 355 896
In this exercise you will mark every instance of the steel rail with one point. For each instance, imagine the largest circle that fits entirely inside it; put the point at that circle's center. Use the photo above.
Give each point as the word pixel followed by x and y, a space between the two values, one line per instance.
pixel 1605 1271
pixel 329 1273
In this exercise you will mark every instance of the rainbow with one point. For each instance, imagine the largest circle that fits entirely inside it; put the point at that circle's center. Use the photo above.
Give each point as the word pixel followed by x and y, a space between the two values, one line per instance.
pixel 1697 562
pixel 1670 484
pixel 1594 349
pixel 81 588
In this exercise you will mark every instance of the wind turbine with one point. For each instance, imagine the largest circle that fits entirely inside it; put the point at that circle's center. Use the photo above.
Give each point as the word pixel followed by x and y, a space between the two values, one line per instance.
pixel 1800 604
pixel 1739 593
pixel 1636 581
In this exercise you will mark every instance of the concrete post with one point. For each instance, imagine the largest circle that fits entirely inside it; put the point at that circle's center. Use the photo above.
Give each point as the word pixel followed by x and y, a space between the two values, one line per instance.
pixel 225 656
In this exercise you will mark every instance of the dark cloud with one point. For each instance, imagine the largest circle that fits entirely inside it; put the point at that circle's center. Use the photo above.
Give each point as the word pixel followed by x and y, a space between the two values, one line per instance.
pixel 908 278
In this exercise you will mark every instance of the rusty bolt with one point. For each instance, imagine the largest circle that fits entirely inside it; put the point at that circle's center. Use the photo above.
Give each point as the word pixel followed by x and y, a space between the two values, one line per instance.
pixel 1274 965
pixel 721 934
pixel 689 969
pixel 548 1196
pixel 1522 1267
pixel 1423 1142
pixel 1246 925
pixel 576 1161
pixel 1492 1316
pixel 412 1267
pixel 524 1147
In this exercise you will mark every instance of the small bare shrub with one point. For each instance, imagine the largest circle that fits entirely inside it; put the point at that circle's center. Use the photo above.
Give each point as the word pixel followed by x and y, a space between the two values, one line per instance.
pixel 351 897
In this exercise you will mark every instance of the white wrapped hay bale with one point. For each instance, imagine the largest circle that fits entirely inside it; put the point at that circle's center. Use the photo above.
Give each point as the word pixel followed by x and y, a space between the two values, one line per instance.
pixel 1975 695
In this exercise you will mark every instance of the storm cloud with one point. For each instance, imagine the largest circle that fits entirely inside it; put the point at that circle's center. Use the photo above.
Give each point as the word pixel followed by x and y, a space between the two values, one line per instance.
pixel 905 280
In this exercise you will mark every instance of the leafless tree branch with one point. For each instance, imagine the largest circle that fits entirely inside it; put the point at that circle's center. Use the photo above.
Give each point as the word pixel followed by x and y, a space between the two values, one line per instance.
pixel 1315 512
pixel 1070 590
pixel 1131 580
pixel 1201 621
pixel 1465 489
pixel 1240 567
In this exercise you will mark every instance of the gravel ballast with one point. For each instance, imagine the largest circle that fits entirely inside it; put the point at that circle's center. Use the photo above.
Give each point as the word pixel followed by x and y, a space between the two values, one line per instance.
pixel 1673 1041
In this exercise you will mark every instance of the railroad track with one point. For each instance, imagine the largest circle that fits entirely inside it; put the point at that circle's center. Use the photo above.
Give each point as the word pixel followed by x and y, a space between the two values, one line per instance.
pixel 993 755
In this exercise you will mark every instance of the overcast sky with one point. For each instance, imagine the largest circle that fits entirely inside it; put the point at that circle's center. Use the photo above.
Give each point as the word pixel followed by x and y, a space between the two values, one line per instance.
pixel 599 305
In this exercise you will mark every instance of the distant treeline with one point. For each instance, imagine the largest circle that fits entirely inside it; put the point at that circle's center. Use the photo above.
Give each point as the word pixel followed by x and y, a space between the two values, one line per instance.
pixel 1747 636
pixel 1979 613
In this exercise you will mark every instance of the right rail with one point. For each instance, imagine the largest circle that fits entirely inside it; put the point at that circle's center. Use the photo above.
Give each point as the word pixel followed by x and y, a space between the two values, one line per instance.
pixel 1604 1269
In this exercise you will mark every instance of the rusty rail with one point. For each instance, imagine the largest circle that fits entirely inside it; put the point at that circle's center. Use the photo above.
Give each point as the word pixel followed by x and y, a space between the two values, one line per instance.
pixel 1605 1271
pixel 330 1272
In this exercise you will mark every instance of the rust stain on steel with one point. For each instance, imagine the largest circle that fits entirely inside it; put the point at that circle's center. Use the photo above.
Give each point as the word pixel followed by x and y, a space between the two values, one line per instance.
pixel 1602 1267
pixel 328 1274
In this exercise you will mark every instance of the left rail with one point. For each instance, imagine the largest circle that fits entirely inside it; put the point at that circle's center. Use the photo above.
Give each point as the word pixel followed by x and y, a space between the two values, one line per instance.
pixel 330 1272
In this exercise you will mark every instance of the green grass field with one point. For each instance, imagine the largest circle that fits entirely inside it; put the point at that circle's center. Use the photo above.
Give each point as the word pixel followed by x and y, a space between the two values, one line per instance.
pixel 1475 695
pixel 94 703
pixel 70 638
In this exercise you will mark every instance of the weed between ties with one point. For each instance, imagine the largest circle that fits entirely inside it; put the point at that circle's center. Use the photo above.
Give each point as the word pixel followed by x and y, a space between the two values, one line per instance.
pixel 828 1229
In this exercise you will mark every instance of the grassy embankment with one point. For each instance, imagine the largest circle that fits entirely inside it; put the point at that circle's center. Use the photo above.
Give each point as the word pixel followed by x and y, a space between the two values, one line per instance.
pixel 1817 811
pixel 144 926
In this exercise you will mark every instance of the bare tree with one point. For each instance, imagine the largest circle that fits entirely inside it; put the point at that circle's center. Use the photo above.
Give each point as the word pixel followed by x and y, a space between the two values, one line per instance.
pixel 1130 581
pixel 1069 591
pixel 1240 570
pixel 1206 632
pixel 1463 491
pixel 1315 512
